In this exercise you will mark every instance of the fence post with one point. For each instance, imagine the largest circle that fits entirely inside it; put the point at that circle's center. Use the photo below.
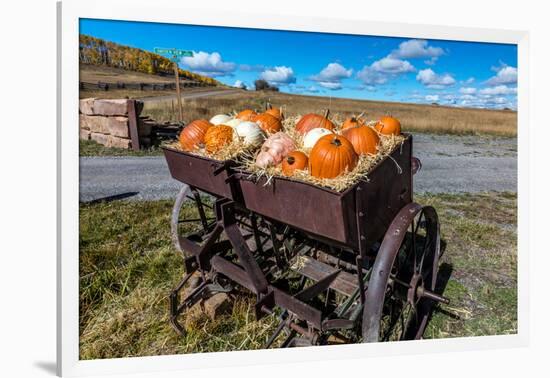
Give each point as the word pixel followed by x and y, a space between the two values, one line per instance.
pixel 133 124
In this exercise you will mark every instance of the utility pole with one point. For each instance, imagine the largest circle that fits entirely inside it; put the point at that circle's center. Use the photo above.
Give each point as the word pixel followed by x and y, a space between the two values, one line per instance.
pixel 178 92
pixel 175 55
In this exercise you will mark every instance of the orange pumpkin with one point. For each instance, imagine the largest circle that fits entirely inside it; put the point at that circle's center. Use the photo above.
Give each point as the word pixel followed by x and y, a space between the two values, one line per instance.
pixel 268 123
pixel 192 135
pixel 296 160
pixel 218 136
pixel 352 122
pixel 246 115
pixel 388 126
pixel 363 138
pixel 331 156
pixel 275 112
pixel 312 121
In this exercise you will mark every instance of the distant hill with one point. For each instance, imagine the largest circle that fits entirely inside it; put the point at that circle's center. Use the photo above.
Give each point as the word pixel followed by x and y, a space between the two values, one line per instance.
pixel 100 52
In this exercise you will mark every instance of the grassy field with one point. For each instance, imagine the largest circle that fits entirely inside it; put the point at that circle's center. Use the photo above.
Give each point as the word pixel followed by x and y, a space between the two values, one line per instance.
pixel 128 266
pixel 413 117
pixel 94 74
pixel 92 148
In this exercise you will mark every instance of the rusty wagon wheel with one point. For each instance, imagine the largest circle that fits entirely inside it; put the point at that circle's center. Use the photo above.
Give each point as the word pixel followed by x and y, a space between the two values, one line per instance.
pixel 400 293
pixel 181 219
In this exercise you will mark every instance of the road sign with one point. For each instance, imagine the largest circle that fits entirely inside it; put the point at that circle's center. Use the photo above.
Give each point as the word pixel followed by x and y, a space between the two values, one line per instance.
pixel 173 52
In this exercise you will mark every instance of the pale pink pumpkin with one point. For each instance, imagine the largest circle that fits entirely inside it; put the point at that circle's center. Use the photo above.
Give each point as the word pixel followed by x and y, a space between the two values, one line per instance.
pixel 274 150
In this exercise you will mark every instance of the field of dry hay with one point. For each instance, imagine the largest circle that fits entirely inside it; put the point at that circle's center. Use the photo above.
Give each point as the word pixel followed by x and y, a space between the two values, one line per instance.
pixel 128 266
pixel 413 117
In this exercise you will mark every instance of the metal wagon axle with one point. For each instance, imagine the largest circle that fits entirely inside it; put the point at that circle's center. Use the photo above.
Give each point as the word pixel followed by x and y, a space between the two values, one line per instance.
pixel 228 249
pixel 359 265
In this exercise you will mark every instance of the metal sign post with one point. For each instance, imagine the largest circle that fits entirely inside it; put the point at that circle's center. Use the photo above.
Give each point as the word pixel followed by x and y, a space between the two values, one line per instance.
pixel 175 55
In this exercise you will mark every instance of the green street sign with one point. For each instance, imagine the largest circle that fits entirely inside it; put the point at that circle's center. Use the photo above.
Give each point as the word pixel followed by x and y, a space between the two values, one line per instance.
pixel 173 52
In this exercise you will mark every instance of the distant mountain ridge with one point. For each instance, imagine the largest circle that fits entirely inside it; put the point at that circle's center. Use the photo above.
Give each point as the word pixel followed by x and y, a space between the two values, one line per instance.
pixel 100 52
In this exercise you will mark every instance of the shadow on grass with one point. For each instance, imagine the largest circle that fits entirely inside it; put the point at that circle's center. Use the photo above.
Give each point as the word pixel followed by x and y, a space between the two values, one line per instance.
pixel 114 197
pixel 445 272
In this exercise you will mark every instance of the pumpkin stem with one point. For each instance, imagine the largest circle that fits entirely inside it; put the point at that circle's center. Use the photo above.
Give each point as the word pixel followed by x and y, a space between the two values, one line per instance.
pixel 268 105
pixel 290 160
pixel 327 112
pixel 336 142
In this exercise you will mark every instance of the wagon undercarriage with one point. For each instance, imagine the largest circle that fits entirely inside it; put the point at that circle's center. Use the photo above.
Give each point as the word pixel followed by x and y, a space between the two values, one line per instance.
pixel 322 290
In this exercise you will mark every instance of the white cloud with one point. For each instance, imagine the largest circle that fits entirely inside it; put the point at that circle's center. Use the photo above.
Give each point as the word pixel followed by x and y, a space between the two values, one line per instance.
pixel 380 71
pixel 371 77
pixel 312 89
pixel 417 48
pixel 280 75
pixel 431 61
pixel 432 98
pixel 468 90
pixel 470 80
pixel 432 80
pixel 488 102
pixel 505 75
pixel 298 88
pixel 498 90
pixel 391 65
pixel 333 72
pixel 239 84
pixel 207 64
pixel 330 85
pixel 331 76
pixel 251 67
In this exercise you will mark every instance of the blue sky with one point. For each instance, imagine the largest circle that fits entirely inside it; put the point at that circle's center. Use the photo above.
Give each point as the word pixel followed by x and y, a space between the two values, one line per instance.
pixel 338 65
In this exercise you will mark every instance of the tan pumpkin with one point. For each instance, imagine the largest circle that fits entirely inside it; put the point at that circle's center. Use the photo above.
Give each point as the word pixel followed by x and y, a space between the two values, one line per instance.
pixel 364 139
pixel 192 135
pixel 250 133
pixel 313 121
pixel 331 156
pixel 247 115
pixel 217 137
pixel 220 119
pixel 294 161
pixel 274 149
pixel 388 126
pixel 312 136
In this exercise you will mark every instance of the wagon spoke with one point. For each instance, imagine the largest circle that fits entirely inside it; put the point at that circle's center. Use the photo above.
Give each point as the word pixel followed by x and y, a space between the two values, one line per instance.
pixel 413 240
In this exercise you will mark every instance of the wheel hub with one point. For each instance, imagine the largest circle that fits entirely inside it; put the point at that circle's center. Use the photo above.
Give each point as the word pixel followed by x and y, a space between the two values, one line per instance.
pixel 416 288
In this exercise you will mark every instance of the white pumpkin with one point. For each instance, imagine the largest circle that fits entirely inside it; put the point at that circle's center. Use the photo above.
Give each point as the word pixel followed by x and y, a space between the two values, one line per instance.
pixel 233 122
pixel 220 119
pixel 250 133
pixel 313 136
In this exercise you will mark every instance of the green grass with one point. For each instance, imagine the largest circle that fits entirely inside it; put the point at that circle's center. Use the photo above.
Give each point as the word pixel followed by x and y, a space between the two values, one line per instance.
pixel 128 266
pixel 92 148
pixel 480 235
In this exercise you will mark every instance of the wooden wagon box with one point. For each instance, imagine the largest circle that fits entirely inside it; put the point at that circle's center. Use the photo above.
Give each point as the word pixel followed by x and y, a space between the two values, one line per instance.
pixel 364 210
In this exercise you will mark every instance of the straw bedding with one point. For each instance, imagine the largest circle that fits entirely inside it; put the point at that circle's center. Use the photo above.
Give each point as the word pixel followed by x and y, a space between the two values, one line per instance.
pixel 246 156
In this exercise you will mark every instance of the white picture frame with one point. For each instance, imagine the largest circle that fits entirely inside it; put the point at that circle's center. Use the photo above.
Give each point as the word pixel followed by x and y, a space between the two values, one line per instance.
pixel 69 13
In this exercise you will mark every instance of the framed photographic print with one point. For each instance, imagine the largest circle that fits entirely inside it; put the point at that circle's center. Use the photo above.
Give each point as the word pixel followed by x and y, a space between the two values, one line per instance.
pixel 285 188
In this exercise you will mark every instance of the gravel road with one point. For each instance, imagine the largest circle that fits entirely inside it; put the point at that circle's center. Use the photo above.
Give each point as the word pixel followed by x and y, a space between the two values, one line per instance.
pixel 450 164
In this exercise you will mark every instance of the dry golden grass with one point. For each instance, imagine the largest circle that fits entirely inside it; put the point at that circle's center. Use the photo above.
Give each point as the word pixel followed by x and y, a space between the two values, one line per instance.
pixel 413 117
pixel 92 74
